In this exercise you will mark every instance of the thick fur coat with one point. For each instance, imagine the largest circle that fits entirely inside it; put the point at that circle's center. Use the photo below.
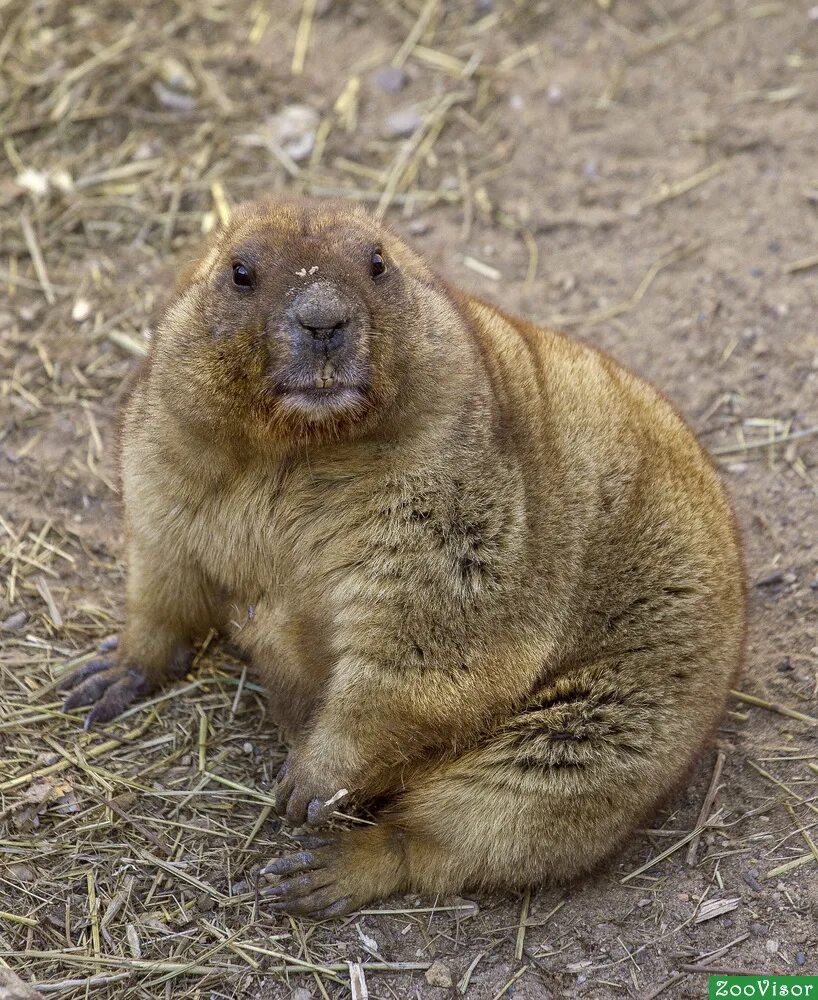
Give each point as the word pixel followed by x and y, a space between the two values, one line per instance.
pixel 489 577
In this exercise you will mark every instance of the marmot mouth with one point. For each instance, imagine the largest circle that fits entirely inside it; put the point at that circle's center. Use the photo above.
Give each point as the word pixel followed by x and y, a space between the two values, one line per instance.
pixel 319 402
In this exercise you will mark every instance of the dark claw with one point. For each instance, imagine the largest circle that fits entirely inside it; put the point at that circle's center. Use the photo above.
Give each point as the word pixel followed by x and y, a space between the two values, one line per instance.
pixel 336 909
pixel 86 670
pixel 109 643
pixel 312 840
pixel 114 702
pixel 298 886
pixel 315 812
pixel 302 861
pixel 278 906
pixel 318 812
pixel 296 811
pixel 284 788
pixel 87 693
pixel 107 689
pixel 313 905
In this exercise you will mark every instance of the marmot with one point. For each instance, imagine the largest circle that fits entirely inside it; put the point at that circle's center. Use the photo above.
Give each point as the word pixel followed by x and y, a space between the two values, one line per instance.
pixel 490 578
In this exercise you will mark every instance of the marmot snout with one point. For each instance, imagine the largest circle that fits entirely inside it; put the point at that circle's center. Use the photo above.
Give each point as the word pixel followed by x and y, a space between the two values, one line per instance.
pixel 494 581
pixel 325 357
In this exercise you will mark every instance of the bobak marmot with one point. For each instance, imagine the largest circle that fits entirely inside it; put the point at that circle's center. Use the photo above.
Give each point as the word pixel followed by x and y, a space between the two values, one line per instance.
pixel 491 580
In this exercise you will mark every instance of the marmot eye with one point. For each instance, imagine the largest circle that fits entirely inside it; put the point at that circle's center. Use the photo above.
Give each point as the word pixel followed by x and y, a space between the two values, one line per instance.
pixel 378 265
pixel 243 276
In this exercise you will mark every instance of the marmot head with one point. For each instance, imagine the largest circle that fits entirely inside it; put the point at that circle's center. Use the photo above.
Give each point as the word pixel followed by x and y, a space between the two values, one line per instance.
pixel 304 319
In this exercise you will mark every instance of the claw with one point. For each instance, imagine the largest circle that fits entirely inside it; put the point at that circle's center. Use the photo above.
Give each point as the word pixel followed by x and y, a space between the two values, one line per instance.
pixel 87 693
pixel 300 862
pixel 319 811
pixel 88 669
pixel 115 700
pixel 283 788
pixel 312 840
pixel 313 905
pixel 109 643
pixel 106 688
pixel 298 886
pixel 336 909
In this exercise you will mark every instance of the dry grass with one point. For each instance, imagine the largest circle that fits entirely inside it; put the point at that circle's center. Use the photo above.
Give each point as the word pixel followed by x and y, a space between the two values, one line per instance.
pixel 128 858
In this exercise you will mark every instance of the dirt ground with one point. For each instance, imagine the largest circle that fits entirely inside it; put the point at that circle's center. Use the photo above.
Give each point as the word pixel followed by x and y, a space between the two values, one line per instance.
pixel 643 174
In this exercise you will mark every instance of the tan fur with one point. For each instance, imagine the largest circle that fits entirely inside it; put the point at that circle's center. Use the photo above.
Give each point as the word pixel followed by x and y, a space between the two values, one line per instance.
pixel 503 595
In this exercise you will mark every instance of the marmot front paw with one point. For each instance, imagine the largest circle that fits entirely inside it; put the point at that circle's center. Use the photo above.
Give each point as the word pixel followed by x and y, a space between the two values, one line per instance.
pixel 111 683
pixel 302 797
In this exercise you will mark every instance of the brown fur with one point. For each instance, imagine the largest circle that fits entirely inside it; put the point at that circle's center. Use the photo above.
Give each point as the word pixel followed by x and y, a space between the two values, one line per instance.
pixel 499 588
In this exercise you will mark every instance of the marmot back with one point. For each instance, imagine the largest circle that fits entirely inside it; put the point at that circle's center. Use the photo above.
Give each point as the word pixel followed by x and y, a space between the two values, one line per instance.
pixel 489 577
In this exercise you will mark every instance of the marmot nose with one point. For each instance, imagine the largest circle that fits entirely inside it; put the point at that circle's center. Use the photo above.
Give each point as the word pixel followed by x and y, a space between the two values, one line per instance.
pixel 321 311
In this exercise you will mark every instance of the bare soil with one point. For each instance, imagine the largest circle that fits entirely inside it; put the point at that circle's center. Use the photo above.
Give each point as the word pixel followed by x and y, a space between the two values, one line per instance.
pixel 643 174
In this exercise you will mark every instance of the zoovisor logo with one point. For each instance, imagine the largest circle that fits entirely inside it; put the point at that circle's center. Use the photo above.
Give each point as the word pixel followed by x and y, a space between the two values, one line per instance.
pixel 761 987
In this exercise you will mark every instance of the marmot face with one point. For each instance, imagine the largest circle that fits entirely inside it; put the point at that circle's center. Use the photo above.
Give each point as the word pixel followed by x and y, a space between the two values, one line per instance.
pixel 298 318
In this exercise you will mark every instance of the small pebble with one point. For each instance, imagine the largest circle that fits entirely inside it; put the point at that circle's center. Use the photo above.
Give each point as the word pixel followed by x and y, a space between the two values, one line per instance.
pixel 590 169
pixel 247 748
pixel 759 930
pixel 771 945
pixel 81 310
pixel 439 975
pixel 177 76
pixel 404 122
pixel 390 79
pixel 29 313
pixel 800 958
pixel 554 93
pixel 172 99
pixel 34 181
pixel 21 873
pixel 15 621
pixel 301 993
pixel 293 130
